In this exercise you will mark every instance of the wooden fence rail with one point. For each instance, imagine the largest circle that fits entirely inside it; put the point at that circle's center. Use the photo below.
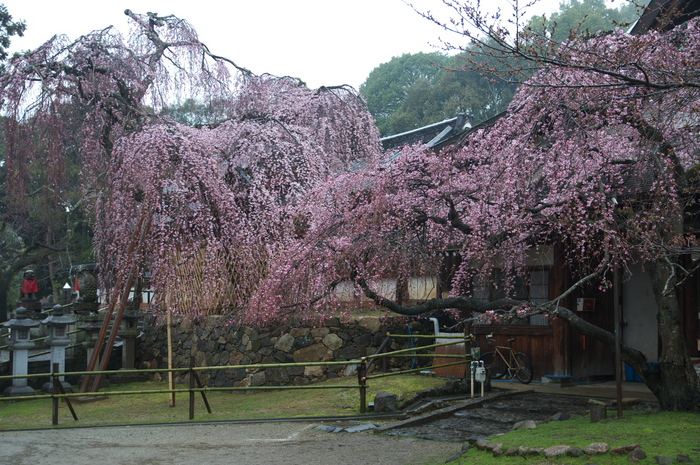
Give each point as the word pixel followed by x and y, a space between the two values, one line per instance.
pixel 195 384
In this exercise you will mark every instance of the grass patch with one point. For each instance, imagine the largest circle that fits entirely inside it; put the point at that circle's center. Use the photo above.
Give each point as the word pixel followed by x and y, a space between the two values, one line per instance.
pixel 667 433
pixel 238 405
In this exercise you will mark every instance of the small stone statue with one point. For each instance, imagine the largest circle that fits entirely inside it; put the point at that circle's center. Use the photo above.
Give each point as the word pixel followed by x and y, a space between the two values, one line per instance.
pixel 30 286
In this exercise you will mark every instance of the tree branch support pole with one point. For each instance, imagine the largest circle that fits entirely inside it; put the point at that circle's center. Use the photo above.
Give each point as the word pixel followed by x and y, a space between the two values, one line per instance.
pixel 362 379
pixel 134 246
pixel 58 388
pixel 115 328
pixel 204 394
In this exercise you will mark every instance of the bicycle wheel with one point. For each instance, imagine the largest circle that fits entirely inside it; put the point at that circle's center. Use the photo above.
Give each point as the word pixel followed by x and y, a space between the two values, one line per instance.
pixel 494 364
pixel 524 370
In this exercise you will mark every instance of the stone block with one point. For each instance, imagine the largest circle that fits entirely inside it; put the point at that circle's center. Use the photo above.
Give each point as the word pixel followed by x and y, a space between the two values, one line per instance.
pixel 662 460
pixel 556 451
pixel 313 372
pixel 285 343
pixel 385 402
pixel 363 340
pixel 498 450
pixel 303 341
pixel 319 333
pixel 495 446
pixel 332 341
pixel 370 323
pixel 314 353
pixel 525 424
pixel 597 448
pixel 278 375
pixel 623 450
pixel 258 379
pixel 598 411
pixel 235 358
pixel 637 455
pixel 349 352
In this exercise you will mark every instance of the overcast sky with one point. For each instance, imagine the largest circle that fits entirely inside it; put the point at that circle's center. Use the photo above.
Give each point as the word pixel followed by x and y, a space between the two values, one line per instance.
pixel 323 42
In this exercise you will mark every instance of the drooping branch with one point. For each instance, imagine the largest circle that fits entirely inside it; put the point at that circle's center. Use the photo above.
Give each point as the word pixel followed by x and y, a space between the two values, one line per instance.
pixel 461 303
pixel 525 50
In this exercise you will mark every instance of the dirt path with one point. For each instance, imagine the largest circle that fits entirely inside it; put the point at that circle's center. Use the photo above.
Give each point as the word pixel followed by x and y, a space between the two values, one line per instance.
pixel 268 443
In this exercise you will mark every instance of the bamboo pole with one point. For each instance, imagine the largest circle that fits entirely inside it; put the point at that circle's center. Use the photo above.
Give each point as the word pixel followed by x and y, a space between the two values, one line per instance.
pixel 414 370
pixel 431 336
pixel 182 390
pixel 432 356
pixel 413 349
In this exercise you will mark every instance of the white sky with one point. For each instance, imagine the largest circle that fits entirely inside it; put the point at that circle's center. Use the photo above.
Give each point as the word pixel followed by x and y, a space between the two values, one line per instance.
pixel 323 42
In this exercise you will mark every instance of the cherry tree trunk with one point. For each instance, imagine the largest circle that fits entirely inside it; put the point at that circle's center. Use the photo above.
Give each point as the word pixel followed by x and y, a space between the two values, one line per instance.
pixel 676 384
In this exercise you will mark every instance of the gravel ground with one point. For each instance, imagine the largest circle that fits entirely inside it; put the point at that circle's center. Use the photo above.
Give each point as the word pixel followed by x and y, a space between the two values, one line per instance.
pixel 265 443
pixel 288 443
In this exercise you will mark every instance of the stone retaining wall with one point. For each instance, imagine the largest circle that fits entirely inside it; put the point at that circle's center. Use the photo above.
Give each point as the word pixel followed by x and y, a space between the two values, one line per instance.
pixel 216 342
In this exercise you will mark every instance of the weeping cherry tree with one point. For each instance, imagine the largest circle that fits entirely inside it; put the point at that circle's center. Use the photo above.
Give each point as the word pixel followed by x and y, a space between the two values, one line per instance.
pixel 597 154
pixel 203 209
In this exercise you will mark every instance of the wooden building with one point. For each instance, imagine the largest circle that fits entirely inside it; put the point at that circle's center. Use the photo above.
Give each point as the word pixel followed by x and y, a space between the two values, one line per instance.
pixel 555 348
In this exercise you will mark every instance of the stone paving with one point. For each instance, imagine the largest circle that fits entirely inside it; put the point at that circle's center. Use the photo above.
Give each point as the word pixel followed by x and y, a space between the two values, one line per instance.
pixel 495 416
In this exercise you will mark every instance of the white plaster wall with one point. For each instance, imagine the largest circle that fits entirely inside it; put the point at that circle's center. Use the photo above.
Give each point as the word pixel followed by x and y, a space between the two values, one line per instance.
pixel 346 291
pixel 639 313
pixel 422 288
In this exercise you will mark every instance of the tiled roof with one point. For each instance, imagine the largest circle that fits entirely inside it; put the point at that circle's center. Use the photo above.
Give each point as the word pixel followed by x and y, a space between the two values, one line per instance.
pixel 662 15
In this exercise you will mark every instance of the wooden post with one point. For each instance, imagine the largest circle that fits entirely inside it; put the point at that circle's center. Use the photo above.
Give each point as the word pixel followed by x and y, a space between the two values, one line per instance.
pixel 192 375
pixel 54 391
pixel 468 357
pixel 171 375
pixel 362 379
pixel 618 340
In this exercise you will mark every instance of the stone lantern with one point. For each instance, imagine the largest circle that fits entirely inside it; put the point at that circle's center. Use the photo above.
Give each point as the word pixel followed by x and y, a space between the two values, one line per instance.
pixel 92 329
pixel 58 340
pixel 20 344
pixel 128 331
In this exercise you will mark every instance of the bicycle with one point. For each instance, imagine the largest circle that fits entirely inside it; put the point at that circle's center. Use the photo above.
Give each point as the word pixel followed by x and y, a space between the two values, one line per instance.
pixel 506 360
